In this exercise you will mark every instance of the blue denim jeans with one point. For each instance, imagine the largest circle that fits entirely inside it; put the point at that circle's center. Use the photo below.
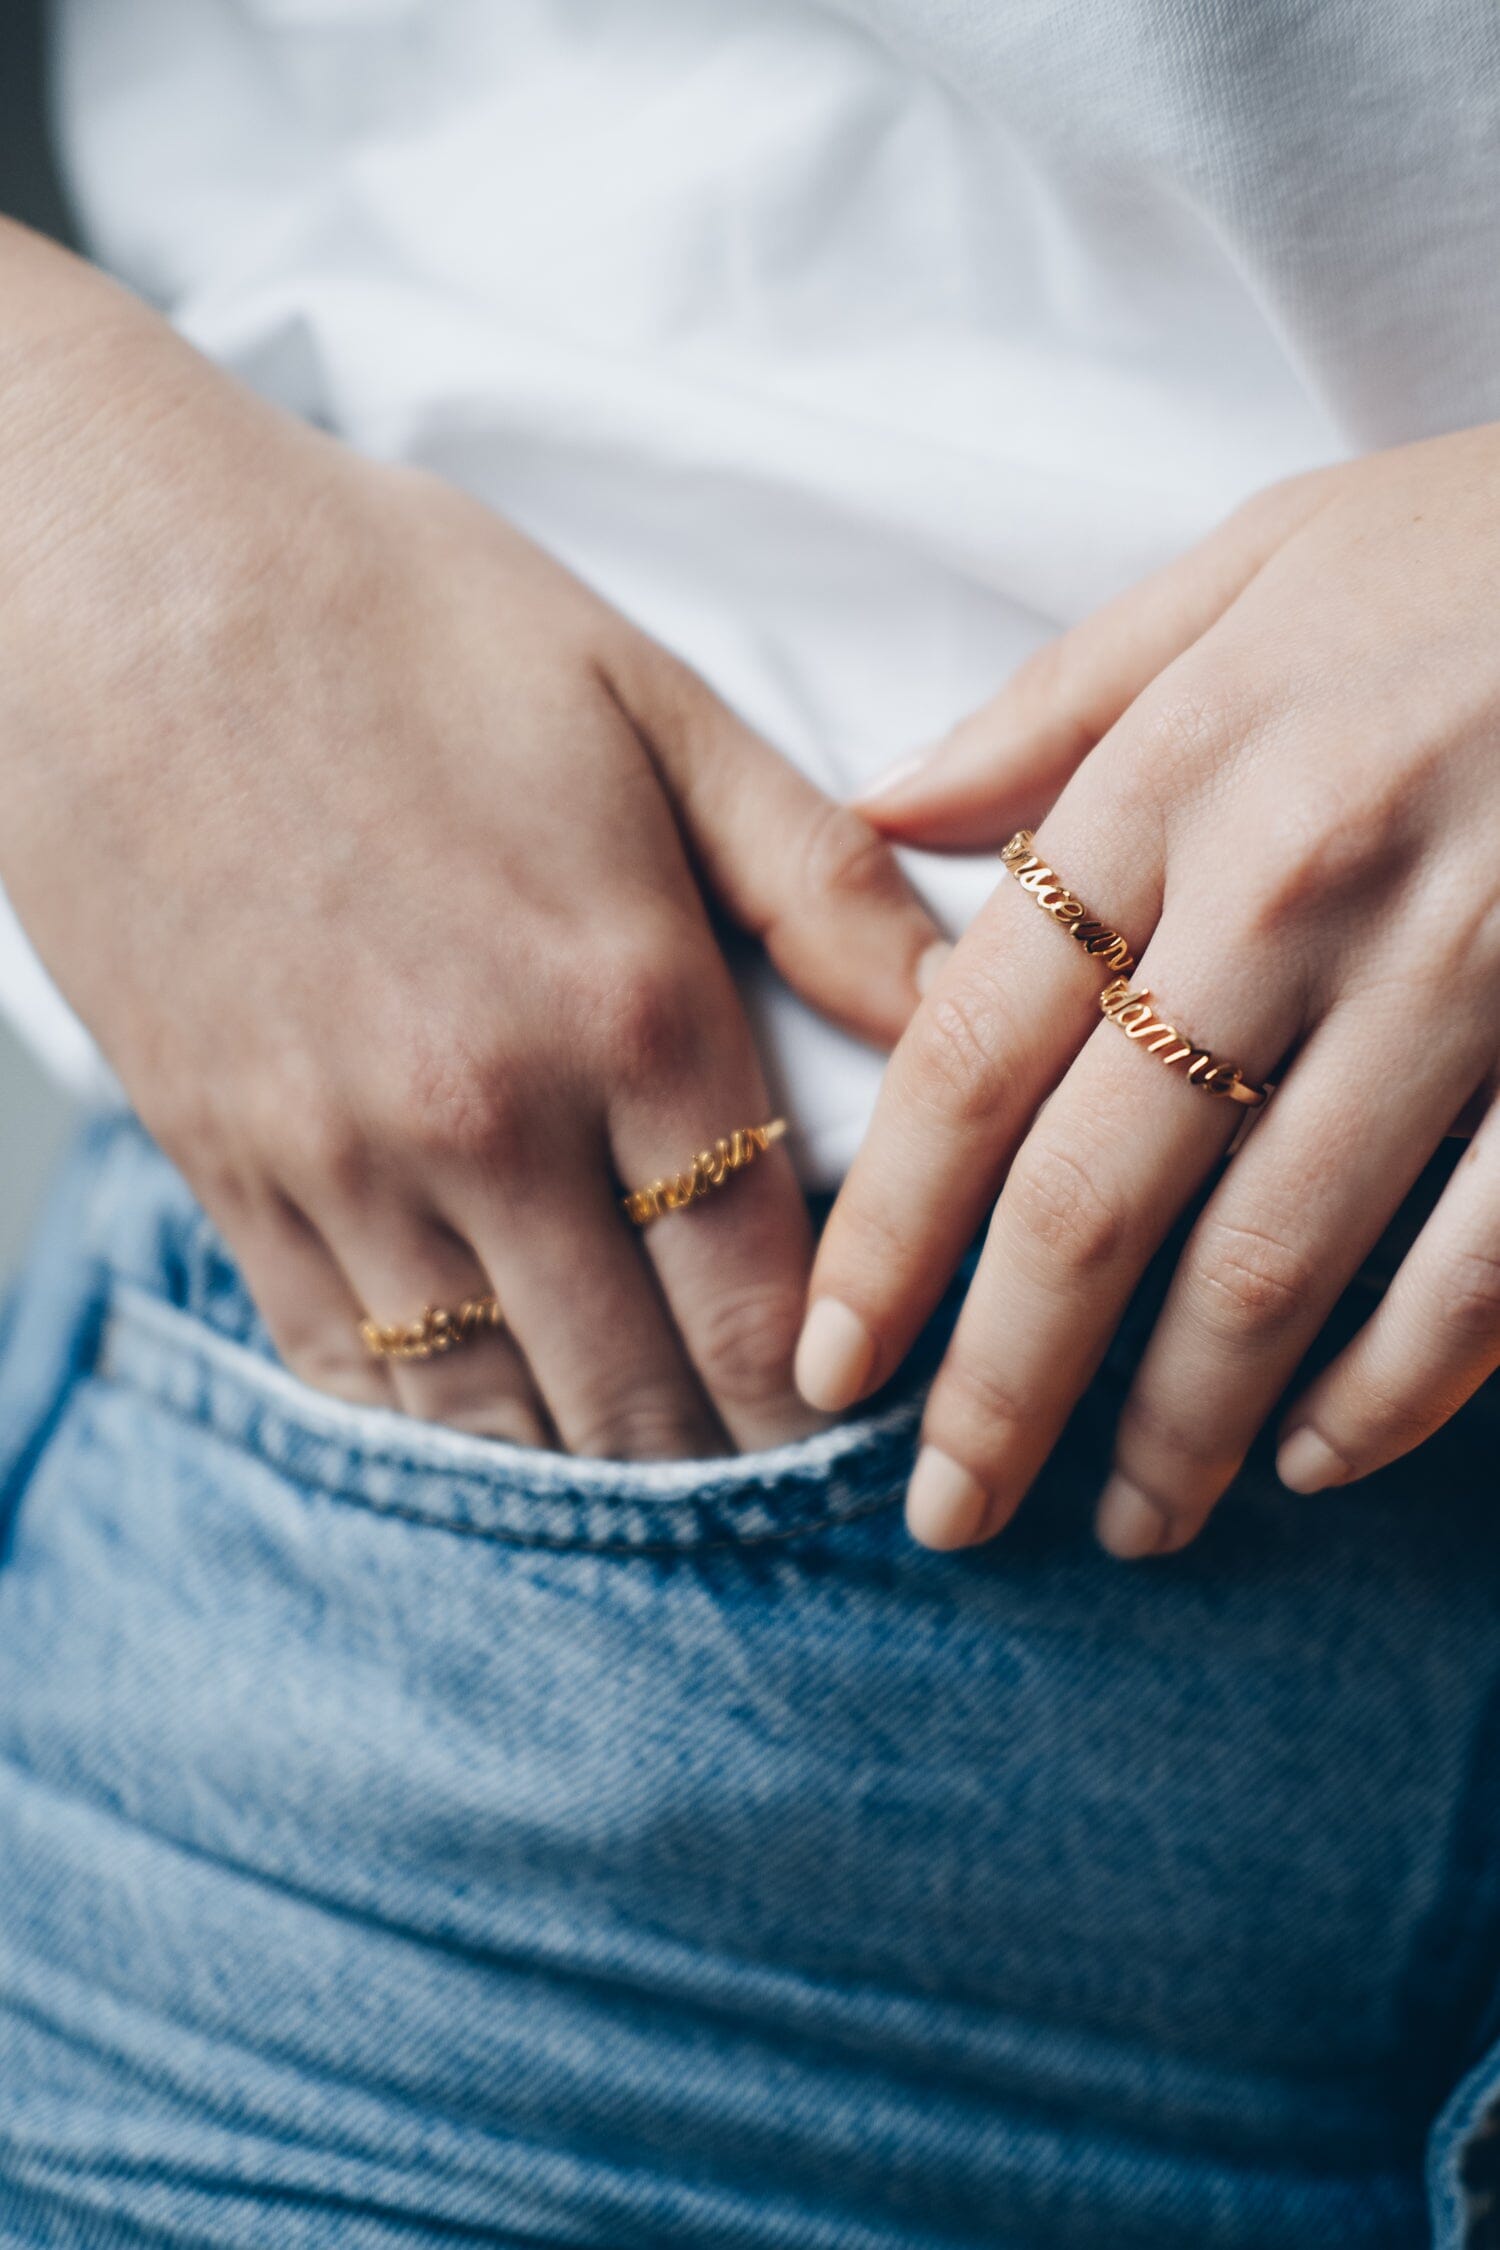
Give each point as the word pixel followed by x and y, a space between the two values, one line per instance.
pixel 407 1840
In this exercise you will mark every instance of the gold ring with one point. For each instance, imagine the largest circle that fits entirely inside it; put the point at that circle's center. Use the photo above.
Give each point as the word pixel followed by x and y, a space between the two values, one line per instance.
pixel 436 1329
pixel 710 1168
pixel 1068 912
pixel 1132 1012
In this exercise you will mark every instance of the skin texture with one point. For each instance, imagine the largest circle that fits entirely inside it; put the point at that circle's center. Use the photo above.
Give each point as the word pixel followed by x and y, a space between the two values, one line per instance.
pixel 1276 767
pixel 379 855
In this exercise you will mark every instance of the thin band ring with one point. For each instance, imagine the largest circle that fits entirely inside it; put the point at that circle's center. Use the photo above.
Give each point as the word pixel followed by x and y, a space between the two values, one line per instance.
pixel 710 1168
pixel 1132 1011
pixel 436 1329
pixel 1067 910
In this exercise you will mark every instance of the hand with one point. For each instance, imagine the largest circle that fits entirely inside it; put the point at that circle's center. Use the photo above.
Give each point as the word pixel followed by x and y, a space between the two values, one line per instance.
pixel 373 849
pixel 1276 768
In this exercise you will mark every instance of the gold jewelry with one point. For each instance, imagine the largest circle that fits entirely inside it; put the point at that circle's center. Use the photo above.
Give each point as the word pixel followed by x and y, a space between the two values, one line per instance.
pixel 435 1330
pixel 1132 1012
pixel 1068 912
pixel 710 1168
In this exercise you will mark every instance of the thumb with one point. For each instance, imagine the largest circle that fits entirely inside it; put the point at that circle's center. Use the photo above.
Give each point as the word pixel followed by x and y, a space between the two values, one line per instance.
pixel 808 877
pixel 1001 767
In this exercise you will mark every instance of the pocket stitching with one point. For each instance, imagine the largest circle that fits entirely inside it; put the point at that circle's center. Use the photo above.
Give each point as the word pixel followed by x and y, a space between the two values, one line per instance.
pixel 690 1492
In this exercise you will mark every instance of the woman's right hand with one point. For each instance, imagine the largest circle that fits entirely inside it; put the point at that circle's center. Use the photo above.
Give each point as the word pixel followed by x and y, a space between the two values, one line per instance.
pixel 373 848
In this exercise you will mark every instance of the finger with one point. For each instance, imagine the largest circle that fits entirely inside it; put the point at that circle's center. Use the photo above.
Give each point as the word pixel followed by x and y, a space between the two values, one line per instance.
pixel 590 1318
pixel 807 877
pixel 995 1034
pixel 1424 1353
pixel 1103 1173
pixel 304 1299
pixel 1282 1236
pixel 401 1258
pixel 733 1263
pixel 1002 767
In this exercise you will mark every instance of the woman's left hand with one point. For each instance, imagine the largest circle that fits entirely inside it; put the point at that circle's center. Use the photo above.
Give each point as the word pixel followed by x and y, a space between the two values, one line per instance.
pixel 1275 767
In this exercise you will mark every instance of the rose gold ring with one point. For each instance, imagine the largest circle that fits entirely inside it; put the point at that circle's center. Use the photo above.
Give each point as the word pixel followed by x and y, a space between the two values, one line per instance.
pixel 1132 1011
pixel 1067 911
pixel 436 1330
pixel 709 1169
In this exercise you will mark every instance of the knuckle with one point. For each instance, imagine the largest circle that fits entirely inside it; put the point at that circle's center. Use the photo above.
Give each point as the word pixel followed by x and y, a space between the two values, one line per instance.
pixel 227 1189
pixel 229 1181
pixel 1373 1409
pixel 649 1015
pixel 743 1342
pixel 1249 1283
pixel 1469 1299
pixel 1451 940
pixel 186 1130
pixel 302 1125
pixel 1188 722
pixel 454 1104
pixel 1173 1455
pixel 1478 921
pixel 973 1409
pixel 654 687
pixel 841 855
pixel 957 1041
pixel 1322 846
pixel 328 1146
pixel 868 1248
pixel 1061 1208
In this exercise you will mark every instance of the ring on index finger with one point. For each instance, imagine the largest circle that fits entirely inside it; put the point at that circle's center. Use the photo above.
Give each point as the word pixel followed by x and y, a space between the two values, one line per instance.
pixel 1067 910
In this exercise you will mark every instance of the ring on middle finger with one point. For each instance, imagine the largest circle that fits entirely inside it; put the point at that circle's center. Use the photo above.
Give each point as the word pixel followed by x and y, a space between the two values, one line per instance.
pixel 1067 911
pixel 710 1168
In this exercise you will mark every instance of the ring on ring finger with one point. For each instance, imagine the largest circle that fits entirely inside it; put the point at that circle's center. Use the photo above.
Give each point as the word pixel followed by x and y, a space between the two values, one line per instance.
pixel 436 1329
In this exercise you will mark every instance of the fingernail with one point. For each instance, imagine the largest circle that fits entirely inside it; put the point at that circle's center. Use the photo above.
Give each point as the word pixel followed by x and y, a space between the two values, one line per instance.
pixel 1307 1463
pixel 835 1354
pixel 904 769
pixel 1128 1526
pixel 945 1505
pixel 931 964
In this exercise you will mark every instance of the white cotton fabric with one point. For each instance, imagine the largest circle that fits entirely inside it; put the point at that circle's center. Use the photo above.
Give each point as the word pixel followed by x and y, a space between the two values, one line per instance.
pixel 850 346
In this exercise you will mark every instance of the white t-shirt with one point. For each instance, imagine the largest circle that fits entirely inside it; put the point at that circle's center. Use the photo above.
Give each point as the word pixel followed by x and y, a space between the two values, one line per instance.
pixel 850 346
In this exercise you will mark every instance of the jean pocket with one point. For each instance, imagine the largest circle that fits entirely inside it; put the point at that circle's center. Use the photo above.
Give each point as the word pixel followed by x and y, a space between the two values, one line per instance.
pixel 481 1487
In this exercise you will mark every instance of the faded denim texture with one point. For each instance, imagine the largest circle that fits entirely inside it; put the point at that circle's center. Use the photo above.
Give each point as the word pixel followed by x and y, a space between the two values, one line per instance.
pixel 406 1840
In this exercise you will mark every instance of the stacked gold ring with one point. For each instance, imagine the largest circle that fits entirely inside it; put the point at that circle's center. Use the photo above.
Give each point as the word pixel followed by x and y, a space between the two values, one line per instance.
pixel 1131 1010
pixel 440 1328
pixel 1040 884
pixel 709 1169
pixel 437 1329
